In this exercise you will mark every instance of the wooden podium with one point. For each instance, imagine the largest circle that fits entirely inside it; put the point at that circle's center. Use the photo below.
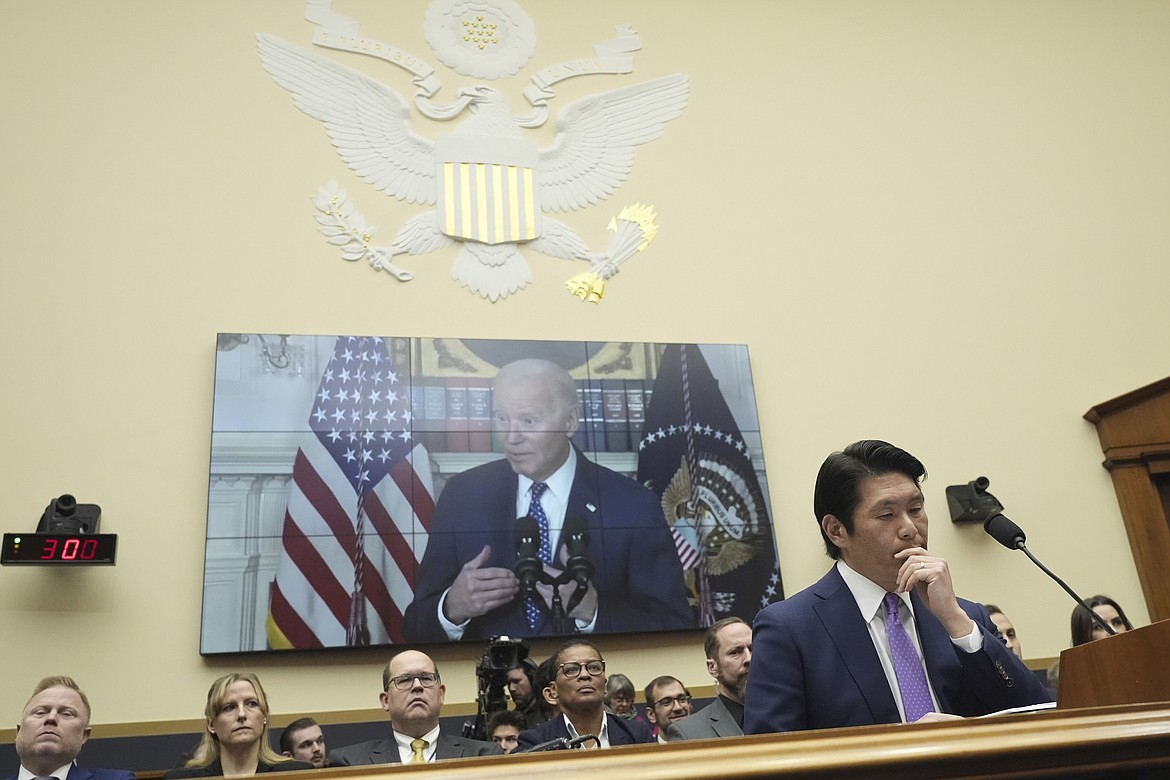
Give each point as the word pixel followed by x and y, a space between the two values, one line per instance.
pixel 1129 668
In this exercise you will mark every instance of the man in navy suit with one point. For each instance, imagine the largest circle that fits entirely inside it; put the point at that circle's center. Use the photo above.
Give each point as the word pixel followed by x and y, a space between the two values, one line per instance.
pixel 579 689
pixel 830 655
pixel 52 729
pixel 466 587
pixel 413 694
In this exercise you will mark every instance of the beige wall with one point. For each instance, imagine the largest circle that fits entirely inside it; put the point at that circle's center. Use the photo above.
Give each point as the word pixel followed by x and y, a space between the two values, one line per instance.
pixel 943 224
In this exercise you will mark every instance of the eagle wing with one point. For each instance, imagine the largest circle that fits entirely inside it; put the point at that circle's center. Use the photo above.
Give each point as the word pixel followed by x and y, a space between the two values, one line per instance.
pixel 368 122
pixel 594 148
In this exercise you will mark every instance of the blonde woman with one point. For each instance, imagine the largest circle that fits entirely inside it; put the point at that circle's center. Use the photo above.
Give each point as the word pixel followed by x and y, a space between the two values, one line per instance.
pixel 235 743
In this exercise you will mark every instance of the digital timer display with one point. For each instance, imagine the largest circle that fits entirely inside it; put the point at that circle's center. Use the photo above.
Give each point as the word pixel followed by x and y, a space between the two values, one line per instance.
pixel 59 549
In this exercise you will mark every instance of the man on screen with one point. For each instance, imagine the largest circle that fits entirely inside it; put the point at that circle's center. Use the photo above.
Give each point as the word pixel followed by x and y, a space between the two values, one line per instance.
pixel 466 587
pixel 881 638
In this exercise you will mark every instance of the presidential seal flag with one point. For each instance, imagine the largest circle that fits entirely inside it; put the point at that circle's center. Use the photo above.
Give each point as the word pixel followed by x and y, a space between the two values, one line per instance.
pixel 693 456
pixel 359 508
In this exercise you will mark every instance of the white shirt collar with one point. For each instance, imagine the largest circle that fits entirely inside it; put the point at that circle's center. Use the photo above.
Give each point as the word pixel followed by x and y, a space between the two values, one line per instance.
pixel 868 594
pixel 560 482
pixel 61 773
pixel 603 736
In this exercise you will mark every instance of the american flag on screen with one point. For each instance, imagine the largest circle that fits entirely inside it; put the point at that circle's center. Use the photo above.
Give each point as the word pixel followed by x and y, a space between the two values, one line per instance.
pixel 359 508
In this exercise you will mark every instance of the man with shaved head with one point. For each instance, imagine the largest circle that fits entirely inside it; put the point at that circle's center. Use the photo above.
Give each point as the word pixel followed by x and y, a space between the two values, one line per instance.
pixel 466 587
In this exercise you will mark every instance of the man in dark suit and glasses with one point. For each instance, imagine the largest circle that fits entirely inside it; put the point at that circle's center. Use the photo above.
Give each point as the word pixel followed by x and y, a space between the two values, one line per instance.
pixel 53 727
pixel 578 686
pixel 412 693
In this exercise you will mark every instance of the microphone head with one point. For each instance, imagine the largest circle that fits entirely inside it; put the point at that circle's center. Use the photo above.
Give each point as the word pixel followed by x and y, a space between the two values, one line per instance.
pixel 576 535
pixel 527 536
pixel 1005 531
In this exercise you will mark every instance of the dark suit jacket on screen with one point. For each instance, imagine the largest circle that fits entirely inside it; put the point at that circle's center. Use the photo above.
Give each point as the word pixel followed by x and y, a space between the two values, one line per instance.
pixel 80 773
pixel 622 731
pixel 639 579
pixel 814 665
pixel 385 751
pixel 711 722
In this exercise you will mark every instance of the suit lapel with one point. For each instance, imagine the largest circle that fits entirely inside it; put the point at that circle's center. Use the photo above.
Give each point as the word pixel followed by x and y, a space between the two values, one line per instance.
pixel 385 752
pixel 848 631
pixel 722 722
pixel 585 497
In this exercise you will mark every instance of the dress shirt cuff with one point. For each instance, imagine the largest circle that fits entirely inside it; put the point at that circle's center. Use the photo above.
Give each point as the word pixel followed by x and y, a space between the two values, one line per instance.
pixel 971 643
pixel 453 632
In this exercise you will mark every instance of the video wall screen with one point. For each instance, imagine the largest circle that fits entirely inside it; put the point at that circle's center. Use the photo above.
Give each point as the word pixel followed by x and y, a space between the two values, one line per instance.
pixel 381 490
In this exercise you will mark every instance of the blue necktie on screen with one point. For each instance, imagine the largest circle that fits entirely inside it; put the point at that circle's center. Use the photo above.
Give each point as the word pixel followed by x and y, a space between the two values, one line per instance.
pixel 536 512
pixel 907 664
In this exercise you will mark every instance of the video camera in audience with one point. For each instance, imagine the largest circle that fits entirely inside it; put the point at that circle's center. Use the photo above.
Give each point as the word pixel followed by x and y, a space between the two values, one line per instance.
pixel 503 653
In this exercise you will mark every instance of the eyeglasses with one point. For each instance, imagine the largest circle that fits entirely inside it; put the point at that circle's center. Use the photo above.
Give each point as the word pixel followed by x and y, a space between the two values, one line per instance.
pixel 573 669
pixel 670 701
pixel 404 682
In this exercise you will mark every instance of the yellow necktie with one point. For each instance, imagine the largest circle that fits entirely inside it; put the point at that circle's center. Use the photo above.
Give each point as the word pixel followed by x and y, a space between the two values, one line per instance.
pixel 417 746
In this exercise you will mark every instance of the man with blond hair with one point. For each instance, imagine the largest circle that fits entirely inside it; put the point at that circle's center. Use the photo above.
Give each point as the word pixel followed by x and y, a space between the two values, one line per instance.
pixel 52 729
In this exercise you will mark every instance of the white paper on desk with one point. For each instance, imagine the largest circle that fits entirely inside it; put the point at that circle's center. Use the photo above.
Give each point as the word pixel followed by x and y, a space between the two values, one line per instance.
pixel 1048 705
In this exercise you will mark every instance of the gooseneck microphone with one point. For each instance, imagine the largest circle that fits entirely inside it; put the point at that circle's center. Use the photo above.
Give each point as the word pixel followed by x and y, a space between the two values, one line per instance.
pixel 1012 537
pixel 561 743
pixel 528 565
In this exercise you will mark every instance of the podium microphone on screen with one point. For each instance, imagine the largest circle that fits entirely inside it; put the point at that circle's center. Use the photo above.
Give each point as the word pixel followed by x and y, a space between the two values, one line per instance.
pixel 528 567
pixel 576 536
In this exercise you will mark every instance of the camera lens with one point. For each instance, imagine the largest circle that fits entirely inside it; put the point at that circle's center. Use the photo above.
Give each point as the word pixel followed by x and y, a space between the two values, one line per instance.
pixel 66 505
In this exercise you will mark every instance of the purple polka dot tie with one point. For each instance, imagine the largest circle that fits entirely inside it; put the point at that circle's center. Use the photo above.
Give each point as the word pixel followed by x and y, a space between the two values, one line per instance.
pixel 907 665
pixel 536 512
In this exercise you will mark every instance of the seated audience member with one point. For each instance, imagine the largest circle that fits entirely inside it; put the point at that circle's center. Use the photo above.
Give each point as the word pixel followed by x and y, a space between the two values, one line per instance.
pixel 412 694
pixel 53 726
pixel 1085 629
pixel 524 695
pixel 302 739
pixel 504 728
pixel 578 688
pixel 619 696
pixel 1006 630
pixel 541 681
pixel 728 648
pixel 667 702
pixel 236 741
pixel 882 637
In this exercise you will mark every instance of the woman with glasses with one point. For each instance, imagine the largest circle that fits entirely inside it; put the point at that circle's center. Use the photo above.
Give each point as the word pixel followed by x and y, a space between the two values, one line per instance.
pixel 578 687
pixel 619 696
pixel 235 743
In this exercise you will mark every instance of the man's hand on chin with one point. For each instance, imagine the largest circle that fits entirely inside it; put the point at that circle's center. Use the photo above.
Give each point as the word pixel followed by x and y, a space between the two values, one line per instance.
pixel 931 575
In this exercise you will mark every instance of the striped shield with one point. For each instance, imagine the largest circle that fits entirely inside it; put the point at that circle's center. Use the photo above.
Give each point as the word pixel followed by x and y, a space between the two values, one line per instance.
pixel 487 188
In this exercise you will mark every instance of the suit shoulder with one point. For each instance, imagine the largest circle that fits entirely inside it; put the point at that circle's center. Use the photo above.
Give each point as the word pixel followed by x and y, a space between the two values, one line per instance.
pixel 108 774
pixel 476 747
pixel 288 766
pixel 348 754
pixel 637 729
